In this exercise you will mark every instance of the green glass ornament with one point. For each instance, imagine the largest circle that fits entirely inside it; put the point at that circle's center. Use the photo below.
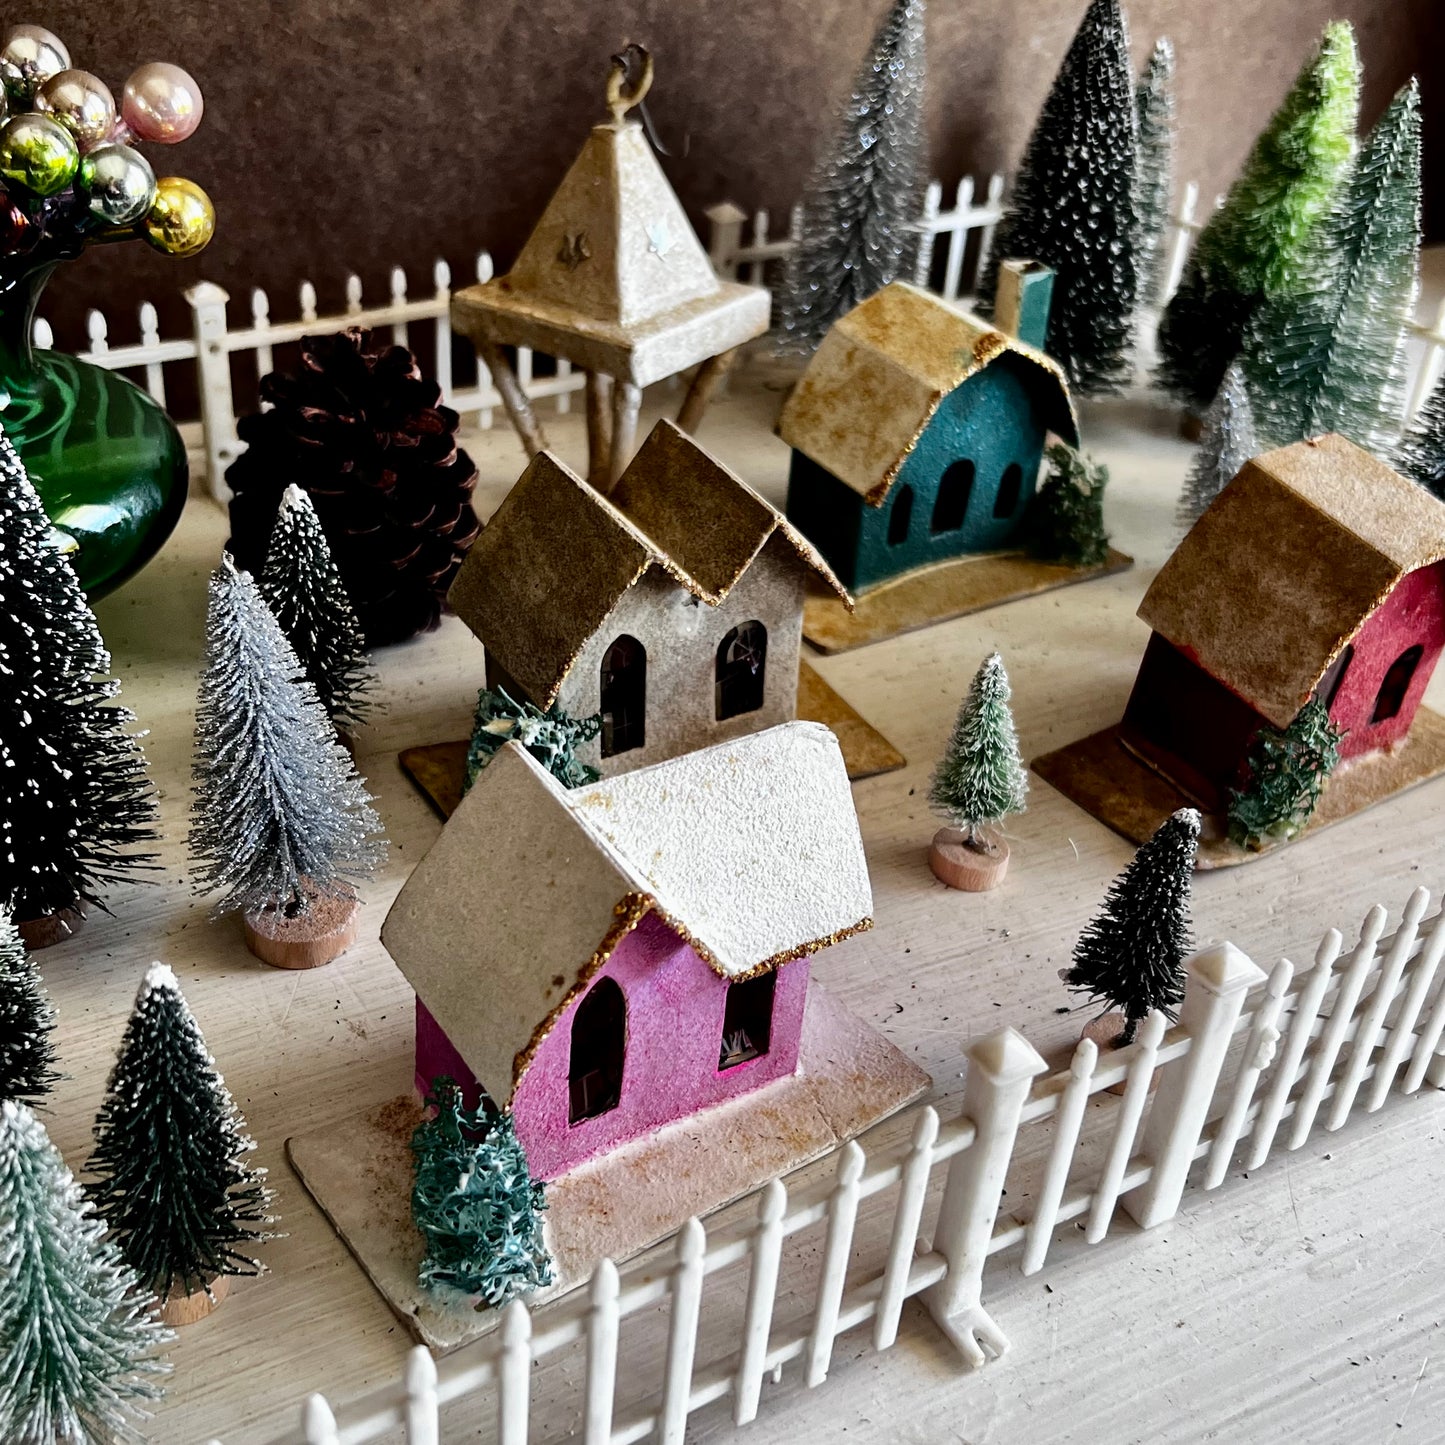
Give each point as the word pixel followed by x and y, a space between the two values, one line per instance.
pixel 107 461
pixel 38 154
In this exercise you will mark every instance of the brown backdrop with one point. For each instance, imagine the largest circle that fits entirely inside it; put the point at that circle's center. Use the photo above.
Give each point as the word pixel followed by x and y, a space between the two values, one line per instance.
pixel 356 134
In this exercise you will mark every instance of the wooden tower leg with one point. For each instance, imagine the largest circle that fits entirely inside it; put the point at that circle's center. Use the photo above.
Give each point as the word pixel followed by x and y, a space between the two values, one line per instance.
pixel 626 401
pixel 707 380
pixel 519 408
pixel 599 430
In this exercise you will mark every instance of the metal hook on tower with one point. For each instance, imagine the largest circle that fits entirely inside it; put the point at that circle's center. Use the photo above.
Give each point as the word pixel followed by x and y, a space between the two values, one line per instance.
pixel 625 93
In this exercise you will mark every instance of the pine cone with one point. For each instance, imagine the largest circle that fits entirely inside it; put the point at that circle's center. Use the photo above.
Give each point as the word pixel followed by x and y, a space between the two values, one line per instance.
pixel 362 432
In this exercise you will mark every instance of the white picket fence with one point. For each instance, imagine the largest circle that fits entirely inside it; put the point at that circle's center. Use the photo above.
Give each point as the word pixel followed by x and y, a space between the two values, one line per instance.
pixel 1253 1060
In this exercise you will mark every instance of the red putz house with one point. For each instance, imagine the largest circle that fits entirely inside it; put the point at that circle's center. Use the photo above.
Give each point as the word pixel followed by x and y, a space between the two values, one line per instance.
pixel 1317 571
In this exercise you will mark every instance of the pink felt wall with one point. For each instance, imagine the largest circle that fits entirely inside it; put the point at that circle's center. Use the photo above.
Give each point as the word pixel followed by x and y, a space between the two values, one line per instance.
pixel 675 1008
pixel 1413 613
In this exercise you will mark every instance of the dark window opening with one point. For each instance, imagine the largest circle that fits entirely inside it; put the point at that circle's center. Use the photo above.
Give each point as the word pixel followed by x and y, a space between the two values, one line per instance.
pixel 900 516
pixel 1329 685
pixel 599 1040
pixel 747 1020
pixel 955 487
pixel 1010 486
pixel 1391 696
pixel 624 697
pixel 742 659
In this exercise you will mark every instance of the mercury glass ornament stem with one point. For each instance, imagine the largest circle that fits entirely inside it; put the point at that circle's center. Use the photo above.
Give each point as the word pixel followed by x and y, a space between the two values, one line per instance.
pixel 107 461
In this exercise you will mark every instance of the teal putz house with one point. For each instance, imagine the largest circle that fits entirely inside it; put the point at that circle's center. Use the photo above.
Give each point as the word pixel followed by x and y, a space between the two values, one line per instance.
pixel 917 430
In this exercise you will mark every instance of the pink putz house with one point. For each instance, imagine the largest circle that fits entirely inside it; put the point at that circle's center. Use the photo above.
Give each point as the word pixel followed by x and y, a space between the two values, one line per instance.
pixel 608 960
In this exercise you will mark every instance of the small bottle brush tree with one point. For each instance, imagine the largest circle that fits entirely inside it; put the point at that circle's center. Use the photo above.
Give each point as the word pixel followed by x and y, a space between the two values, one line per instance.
pixel 27 1021
pixel 1329 356
pixel 75 803
pixel 303 589
pixel 1131 956
pixel 474 1202
pixel 1253 248
pixel 551 736
pixel 78 1340
pixel 1422 452
pixel 1287 774
pixel 280 822
pixel 172 1177
pixel 865 195
pixel 1228 441
pixel 1154 103
pixel 1073 205
pixel 1065 518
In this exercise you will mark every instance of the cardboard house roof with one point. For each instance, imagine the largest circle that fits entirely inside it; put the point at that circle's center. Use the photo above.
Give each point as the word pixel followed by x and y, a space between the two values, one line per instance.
pixel 1287 564
pixel 881 373
pixel 749 849
pixel 558 556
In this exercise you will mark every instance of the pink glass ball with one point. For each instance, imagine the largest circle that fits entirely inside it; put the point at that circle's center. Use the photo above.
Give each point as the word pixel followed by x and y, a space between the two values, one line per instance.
pixel 81 103
pixel 161 103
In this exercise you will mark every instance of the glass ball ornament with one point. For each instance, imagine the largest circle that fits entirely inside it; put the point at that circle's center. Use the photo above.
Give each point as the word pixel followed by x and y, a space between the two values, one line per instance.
pixel 181 219
pixel 81 102
pixel 161 103
pixel 37 154
pixel 118 182
pixel 30 56
pixel 17 228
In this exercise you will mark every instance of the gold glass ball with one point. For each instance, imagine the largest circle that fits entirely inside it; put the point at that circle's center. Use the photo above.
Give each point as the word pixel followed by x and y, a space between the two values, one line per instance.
pixel 181 219
pixel 81 103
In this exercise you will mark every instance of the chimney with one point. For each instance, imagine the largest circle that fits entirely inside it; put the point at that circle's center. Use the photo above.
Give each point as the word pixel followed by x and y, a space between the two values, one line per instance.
pixel 1021 304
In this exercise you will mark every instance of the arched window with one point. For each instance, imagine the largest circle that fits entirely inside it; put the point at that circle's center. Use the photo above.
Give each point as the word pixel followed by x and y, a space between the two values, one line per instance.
pixel 624 697
pixel 599 1041
pixel 955 487
pixel 1391 696
pixel 1330 684
pixel 747 1020
pixel 900 516
pixel 742 660
pixel 1010 485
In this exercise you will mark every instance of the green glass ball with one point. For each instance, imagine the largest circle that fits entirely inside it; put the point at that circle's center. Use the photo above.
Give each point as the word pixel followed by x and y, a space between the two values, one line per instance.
pixel 38 154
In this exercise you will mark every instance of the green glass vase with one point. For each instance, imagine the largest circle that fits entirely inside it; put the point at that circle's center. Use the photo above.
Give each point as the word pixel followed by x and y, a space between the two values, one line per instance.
pixel 107 461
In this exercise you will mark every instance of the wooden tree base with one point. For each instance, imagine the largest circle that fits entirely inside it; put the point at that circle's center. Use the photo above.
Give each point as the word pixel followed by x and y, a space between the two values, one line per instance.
pixel 326 930
pixel 50 928
pixel 1105 1031
pixel 960 865
pixel 187 1309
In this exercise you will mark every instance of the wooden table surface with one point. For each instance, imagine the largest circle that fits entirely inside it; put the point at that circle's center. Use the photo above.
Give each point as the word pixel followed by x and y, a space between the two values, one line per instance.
pixel 1303 1303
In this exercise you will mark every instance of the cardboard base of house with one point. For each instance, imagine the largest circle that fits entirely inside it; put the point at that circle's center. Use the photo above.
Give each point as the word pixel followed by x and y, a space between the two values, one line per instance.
pixel 439 768
pixel 940 592
pixel 359 1170
pixel 1107 779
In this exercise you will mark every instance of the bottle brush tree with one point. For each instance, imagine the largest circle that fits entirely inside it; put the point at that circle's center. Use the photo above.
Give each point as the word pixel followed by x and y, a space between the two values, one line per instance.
pixel 1329 355
pixel 75 804
pixel 980 780
pixel 1154 103
pixel 1422 453
pixel 172 1178
pixel 78 1340
pixel 1286 775
pixel 1131 956
pixel 1073 205
pixel 278 811
pixel 1253 248
pixel 477 1208
pixel 303 589
pixel 864 198
pixel 27 1022
pixel 1228 441
pixel 1065 517
pixel 551 736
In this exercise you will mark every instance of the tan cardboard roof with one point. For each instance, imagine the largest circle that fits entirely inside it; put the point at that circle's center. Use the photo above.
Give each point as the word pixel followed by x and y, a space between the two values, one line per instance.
pixel 750 849
pixel 557 556
pixel 881 373
pixel 1287 564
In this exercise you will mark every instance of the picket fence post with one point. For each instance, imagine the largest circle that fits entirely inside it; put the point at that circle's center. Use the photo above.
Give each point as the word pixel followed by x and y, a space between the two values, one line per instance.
pixel 422 1424
pixel 1001 1067
pixel 725 237
pixel 213 368
pixel 1218 980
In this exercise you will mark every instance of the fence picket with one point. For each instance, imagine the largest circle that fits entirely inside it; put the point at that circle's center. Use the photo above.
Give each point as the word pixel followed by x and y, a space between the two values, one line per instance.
pixel 767 1247
pixel 927 226
pixel 1425 1045
pixel 422 1421
pixel 353 294
pixel 1327 1047
pixel 306 299
pixel 686 1288
pixel 1259 1052
pixel 957 242
pixel 602 1332
pixel 907 1215
pixel 514 1375
pixel 318 1424
pixel 442 280
pixel 150 339
pixel 1068 1120
pixel 1126 1126
pixel 994 205
pixel 399 333
pixel 842 1215
pixel 97 329
pixel 261 320
pixel 1421 977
